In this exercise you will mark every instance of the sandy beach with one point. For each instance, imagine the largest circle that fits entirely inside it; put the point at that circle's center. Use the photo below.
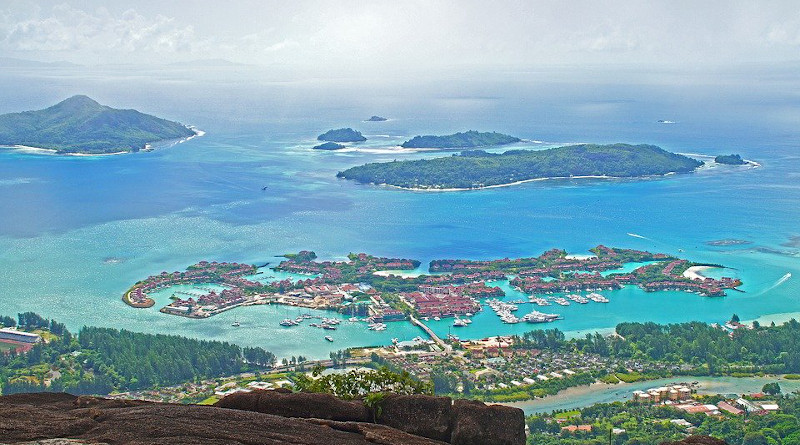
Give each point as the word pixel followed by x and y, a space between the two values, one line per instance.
pixel 52 152
pixel 419 189
pixel 695 272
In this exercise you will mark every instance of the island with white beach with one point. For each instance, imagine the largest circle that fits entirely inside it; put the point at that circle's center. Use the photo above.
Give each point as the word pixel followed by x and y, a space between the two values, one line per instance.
pixel 80 126
pixel 478 169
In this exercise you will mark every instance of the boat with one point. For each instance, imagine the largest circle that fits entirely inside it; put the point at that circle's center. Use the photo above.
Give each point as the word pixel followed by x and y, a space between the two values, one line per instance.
pixel 329 327
pixel 597 298
pixel 459 323
pixel 437 318
pixel 329 338
pixel 540 317
pixel 235 324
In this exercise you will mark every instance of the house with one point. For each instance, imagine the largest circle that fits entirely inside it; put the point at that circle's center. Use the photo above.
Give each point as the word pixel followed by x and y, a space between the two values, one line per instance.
pixel 19 336
pixel 576 428
pixel 725 406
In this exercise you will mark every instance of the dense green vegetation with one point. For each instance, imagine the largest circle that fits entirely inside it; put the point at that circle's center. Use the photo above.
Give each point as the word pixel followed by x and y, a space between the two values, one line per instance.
pixel 475 169
pixel 693 348
pixel 329 146
pixel 650 425
pixel 81 125
pixel 342 135
pixel 101 360
pixel 467 139
pixel 729 159
pixel 355 383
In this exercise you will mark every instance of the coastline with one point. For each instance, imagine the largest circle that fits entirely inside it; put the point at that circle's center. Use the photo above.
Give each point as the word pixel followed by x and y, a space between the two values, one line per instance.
pixel 598 392
pixel 53 152
pixel 420 189
pixel 696 272
pixel 749 163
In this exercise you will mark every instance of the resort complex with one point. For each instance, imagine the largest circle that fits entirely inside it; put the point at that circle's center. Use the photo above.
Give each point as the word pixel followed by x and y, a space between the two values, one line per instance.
pixel 376 290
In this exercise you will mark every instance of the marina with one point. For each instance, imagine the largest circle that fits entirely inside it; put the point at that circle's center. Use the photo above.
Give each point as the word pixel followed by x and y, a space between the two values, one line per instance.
pixel 56 265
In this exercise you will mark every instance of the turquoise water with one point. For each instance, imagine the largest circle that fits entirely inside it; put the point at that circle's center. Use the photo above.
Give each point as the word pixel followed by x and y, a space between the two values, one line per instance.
pixel 75 233
pixel 585 396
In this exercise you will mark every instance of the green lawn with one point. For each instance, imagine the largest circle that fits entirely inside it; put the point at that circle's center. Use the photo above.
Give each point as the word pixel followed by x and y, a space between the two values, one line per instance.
pixel 568 414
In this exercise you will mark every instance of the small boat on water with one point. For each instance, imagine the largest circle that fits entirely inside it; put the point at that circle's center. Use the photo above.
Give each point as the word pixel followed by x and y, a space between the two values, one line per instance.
pixel 540 317
pixel 329 338
pixel 437 318
pixel 288 322
pixel 235 324
pixel 459 323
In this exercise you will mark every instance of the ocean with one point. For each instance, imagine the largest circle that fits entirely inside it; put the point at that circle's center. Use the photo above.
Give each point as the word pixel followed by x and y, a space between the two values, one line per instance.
pixel 75 233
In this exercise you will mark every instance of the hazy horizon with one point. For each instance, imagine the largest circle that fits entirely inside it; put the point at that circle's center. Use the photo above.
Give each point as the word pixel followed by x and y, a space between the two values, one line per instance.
pixel 424 40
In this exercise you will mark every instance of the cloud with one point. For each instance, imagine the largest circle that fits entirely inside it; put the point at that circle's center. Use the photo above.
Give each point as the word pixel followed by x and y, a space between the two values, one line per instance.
pixel 284 44
pixel 64 28
pixel 385 36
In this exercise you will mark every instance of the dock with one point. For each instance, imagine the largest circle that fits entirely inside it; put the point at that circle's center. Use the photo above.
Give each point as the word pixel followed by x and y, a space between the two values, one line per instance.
pixel 445 347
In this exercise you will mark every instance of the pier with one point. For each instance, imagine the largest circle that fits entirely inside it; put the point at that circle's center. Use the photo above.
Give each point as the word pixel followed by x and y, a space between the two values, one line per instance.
pixel 445 347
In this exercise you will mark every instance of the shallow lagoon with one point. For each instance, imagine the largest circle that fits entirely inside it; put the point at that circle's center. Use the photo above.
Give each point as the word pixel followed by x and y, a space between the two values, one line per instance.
pixel 75 233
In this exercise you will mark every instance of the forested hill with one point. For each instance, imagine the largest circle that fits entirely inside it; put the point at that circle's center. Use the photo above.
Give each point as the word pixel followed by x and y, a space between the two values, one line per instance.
pixel 476 168
pixel 100 360
pixel 469 139
pixel 81 125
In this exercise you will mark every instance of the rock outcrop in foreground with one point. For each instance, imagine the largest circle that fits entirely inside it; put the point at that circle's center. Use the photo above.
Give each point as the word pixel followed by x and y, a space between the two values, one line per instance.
pixel 460 422
pixel 262 417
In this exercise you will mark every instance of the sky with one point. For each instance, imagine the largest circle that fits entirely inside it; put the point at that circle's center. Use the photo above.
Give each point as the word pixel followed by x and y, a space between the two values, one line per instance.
pixel 407 36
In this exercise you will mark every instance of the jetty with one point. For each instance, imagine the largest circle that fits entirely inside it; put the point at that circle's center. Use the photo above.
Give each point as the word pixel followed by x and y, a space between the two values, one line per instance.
pixel 445 347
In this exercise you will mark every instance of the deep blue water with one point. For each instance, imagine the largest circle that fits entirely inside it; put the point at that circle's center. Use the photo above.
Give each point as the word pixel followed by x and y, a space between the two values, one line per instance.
pixel 76 232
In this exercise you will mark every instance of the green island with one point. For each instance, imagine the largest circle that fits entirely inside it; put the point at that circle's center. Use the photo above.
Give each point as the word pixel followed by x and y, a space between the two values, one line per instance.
pixel 79 125
pixel 376 119
pixel 329 146
pixel 729 160
pixel 342 135
pixel 469 139
pixel 479 169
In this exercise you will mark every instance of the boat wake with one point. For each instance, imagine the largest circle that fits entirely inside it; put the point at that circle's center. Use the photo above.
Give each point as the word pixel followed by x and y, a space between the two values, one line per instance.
pixel 780 281
pixel 638 236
